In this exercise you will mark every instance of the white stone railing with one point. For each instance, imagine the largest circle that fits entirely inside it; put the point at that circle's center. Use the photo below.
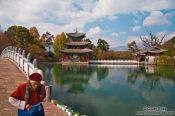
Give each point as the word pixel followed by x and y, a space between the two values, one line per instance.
pixel 124 62
pixel 18 56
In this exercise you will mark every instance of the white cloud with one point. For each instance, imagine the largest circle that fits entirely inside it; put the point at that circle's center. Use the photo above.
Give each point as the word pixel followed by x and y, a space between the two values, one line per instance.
pixel 94 34
pixel 94 31
pixel 133 38
pixel 59 15
pixel 136 28
pixel 156 18
pixel 115 34
pixel 104 8
pixel 168 35
pixel 158 34
pixel 154 5
pixel 112 18
pixel 55 16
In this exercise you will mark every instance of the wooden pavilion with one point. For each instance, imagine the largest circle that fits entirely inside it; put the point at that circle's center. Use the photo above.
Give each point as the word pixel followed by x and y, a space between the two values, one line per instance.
pixel 76 50
pixel 149 55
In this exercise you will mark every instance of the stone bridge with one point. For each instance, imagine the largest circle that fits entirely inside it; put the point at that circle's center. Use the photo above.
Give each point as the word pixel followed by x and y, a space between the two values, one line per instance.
pixel 14 68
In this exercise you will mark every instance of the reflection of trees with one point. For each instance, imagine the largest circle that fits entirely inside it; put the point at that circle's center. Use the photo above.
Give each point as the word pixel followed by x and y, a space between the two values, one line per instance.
pixel 76 88
pixel 102 73
pixel 133 74
pixel 168 72
pixel 152 81
pixel 161 72
pixel 151 78
pixel 56 73
pixel 46 68
pixel 74 76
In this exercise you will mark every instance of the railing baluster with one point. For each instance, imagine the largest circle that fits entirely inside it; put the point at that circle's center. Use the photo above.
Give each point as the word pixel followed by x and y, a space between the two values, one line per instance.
pixel 20 60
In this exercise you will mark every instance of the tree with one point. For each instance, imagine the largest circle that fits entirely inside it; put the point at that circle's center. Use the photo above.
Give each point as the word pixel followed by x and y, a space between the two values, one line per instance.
pixel 91 45
pixel 34 33
pixel 152 40
pixel 59 44
pixel 170 47
pixel 3 41
pixel 0 29
pixel 18 35
pixel 102 44
pixel 49 39
pixel 42 41
pixel 132 47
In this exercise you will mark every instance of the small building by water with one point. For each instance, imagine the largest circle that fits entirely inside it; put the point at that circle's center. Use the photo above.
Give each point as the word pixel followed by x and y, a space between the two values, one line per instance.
pixel 149 55
pixel 76 50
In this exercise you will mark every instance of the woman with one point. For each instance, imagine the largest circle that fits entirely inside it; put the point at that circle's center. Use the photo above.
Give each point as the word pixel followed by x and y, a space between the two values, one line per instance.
pixel 28 96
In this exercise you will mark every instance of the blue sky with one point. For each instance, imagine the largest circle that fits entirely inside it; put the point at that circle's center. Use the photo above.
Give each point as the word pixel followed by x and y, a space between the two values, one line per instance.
pixel 116 21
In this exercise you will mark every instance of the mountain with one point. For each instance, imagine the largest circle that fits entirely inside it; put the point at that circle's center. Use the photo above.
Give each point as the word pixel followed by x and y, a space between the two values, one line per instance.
pixel 120 48
pixel 170 47
pixel 125 48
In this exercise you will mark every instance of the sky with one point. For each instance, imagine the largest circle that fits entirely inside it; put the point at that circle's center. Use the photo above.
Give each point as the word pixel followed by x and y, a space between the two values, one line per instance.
pixel 116 21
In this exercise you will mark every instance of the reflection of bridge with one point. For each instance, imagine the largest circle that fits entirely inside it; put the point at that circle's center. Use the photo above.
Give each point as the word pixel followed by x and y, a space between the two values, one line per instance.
pixel 10 77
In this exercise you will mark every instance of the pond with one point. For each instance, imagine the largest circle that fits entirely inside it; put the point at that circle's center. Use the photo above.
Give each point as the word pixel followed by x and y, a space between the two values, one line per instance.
pixel 108 90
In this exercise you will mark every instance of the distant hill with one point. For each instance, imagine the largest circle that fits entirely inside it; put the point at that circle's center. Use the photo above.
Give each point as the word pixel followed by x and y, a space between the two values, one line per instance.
pixel 171 41
pixel 120 48
pixel 125 48
pixel 170 47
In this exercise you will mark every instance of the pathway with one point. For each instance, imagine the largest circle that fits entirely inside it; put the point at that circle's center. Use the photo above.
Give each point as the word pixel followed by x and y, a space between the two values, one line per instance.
pixel 10 77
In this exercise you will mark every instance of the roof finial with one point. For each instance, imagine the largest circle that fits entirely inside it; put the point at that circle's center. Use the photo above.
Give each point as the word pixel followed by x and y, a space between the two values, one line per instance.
pixel 76 30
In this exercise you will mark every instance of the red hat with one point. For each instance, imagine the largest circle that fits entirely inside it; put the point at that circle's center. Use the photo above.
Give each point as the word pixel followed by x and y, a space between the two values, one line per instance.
pixel 35 77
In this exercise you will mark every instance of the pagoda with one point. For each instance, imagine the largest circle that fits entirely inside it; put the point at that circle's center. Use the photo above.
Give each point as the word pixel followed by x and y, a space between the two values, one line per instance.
pixel 76 50
pixel 149 55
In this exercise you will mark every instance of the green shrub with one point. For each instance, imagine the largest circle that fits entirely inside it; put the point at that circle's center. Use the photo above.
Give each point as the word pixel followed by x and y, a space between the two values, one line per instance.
pixel 165 60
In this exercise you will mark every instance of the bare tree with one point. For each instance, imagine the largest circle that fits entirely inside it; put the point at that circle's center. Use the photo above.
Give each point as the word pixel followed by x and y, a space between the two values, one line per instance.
pixel 152 40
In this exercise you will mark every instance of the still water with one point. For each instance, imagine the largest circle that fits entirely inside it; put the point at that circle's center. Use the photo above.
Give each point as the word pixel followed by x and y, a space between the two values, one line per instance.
pixel 106 90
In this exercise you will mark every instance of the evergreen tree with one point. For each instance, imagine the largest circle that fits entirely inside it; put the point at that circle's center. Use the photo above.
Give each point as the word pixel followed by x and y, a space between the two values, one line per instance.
pixel 132 47
pixel 102 44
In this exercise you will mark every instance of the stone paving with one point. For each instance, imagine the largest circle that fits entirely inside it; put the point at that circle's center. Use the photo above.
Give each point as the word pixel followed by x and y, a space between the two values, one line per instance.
pixel 10 77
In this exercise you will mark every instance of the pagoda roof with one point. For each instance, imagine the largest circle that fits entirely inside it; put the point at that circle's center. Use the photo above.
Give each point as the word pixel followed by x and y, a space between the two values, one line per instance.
pixel 81 43
pixel 154 50
pixel 76 35
pixel 76 50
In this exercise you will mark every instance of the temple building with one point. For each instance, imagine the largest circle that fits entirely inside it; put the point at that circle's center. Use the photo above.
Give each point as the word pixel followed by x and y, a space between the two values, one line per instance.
pixel 149 55
pixel 76 50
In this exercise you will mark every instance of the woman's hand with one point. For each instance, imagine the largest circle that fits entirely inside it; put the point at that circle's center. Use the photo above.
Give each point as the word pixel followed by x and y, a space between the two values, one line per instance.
pixel 28 106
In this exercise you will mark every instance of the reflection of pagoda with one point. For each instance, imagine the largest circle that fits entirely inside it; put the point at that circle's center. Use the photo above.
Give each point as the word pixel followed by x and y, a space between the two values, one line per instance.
pixel 76 49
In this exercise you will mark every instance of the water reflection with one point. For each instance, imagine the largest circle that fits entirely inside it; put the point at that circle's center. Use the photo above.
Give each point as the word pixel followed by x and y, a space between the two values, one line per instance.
pixel 133 74
pixel 118 90
pixel 151 76
pixel 150 69
pixel 75 77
